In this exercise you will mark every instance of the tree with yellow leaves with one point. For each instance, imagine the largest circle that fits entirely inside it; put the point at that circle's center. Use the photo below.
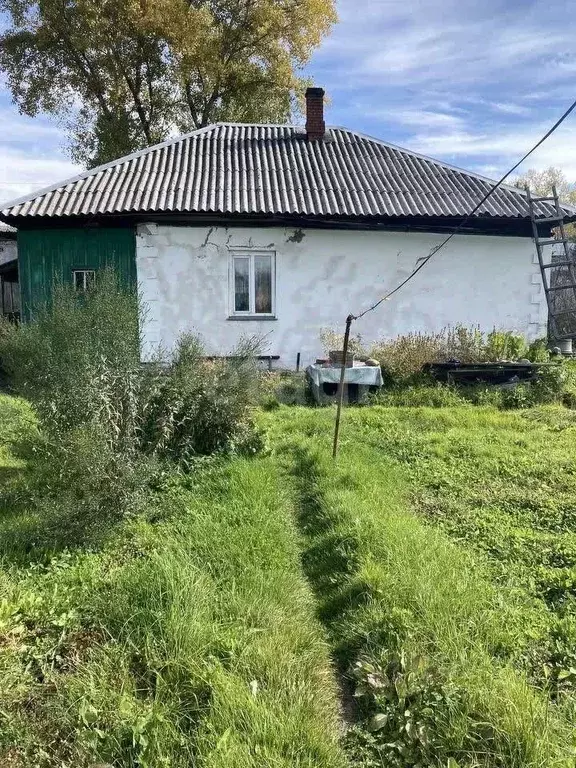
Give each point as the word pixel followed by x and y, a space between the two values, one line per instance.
pixel 541 183
pixel 124 74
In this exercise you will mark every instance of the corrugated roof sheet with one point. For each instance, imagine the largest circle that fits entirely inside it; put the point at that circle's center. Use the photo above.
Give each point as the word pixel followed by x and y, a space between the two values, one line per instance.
pixel 6 230
pixel 273 169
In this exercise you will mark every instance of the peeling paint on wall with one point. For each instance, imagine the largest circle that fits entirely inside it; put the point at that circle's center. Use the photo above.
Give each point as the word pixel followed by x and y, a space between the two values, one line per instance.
pixel 183 274
pixel 296 237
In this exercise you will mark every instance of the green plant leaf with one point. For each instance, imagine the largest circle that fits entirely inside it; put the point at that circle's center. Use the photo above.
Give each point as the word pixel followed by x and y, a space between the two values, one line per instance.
pixel 377 722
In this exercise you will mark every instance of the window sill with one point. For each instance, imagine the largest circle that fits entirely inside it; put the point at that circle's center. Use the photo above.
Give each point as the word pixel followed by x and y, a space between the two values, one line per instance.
pixel 261 318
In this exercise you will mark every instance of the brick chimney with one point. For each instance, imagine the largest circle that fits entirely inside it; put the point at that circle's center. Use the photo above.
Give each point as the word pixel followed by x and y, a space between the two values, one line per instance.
pixel 315 126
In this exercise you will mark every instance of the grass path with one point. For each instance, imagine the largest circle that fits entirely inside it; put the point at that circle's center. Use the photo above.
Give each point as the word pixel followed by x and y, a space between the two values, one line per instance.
pixel 430 567
pixel 188 639
pixel 431 644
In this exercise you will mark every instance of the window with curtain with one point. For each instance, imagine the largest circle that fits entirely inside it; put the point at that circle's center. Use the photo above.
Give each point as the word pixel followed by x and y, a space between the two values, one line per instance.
pixel 252 283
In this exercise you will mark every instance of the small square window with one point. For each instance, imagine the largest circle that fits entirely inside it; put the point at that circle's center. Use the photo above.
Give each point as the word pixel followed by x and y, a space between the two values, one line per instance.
pixel 83 279
pixel 252 283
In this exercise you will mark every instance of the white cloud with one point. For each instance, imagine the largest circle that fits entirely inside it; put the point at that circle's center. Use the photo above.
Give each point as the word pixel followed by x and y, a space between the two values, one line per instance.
pixel 450 42
pixel 509 109
pixel 503 147
pixel 417 117
pixel 17 128
pixel 30 155
pixel 22 171
pixel 457 54
pixel 474 84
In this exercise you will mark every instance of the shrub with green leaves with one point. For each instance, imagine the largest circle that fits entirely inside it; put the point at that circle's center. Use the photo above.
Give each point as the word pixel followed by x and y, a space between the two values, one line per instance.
pixel 552 384
pixel 538 351
pixel 284 387
pixel 406 355
pixel 504 345
pixel 106 420
pixel 78 360
pixel 197 407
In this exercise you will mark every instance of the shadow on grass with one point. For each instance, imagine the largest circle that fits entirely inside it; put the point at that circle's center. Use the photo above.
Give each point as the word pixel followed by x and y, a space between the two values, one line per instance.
pixel 330 555
pixel 330 562
pixel 9 475
pixel 34 528
pixel 36 536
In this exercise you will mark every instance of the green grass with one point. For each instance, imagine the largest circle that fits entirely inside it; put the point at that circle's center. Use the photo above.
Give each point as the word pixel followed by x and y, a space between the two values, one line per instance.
pixel 16 420
pixel 186 640
pixel 410 605
pixel 432 637
pixel 504 485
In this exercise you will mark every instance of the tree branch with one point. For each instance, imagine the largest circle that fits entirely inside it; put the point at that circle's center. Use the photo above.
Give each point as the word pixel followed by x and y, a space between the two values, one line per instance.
pixel 134 86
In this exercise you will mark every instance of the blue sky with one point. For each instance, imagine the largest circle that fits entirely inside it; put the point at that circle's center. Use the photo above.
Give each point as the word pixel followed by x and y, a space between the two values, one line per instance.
pixel 472 83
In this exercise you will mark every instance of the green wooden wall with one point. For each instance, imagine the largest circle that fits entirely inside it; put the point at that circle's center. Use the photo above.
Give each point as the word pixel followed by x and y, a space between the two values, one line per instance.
pixel 48 254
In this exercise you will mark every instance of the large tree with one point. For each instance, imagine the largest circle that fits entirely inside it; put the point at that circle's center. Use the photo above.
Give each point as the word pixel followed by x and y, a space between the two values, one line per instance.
pixel 124 74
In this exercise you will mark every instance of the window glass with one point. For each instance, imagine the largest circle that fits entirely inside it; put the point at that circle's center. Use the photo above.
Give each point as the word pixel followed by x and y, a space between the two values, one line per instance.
pixel 241 284
pixel 263 284
pixel 79 280
pixel 83 278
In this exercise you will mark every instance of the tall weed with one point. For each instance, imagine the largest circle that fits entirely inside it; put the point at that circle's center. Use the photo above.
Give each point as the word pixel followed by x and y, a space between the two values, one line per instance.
pixel 198 406
pixel 78 360
pixel 106 420
pixel 406 355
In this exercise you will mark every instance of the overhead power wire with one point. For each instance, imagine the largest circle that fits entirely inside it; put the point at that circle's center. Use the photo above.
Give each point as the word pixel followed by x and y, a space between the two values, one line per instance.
pixel 467 218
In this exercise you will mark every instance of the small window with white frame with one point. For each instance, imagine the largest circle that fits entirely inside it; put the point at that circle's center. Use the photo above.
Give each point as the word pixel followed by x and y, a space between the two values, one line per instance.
pixel 252 283
pixel 83 279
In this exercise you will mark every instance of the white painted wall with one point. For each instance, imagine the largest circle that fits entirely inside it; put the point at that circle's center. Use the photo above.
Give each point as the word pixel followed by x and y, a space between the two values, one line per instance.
pixel 322 275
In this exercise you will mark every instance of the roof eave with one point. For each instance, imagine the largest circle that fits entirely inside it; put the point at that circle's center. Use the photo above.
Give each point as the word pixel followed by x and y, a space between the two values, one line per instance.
pixel 492 225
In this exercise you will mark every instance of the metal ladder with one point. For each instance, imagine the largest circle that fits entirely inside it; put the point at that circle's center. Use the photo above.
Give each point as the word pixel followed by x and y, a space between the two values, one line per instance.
pixel 559 274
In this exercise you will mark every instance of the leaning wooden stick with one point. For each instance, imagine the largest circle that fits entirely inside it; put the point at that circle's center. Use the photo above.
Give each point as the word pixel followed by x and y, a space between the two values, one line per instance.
pixel 341 385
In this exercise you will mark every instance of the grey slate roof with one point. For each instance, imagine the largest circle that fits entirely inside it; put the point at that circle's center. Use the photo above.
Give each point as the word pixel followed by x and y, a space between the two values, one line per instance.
pixel 6 231
pixel 274 170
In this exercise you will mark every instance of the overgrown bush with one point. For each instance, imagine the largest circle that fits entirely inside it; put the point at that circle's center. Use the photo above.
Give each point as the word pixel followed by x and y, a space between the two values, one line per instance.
pixel 538 351
pixel 504 345
pixel 552 384
pixel 331 340
pixel 78 360
pixel 198 406
pixel 283 388
pixel 106 420
pixel 403 361
pixel 406 355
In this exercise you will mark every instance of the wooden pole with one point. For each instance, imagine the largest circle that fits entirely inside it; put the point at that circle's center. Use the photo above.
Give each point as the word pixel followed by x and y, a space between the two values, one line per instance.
pixel 341 385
